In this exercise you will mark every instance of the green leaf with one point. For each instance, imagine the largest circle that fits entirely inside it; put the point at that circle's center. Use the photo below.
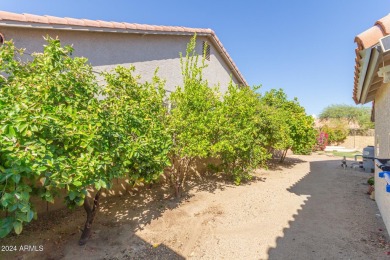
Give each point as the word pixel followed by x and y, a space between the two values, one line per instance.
pixel 77 183
pixel 11 131
pixel 12 207
pixel 79 202
pixel 24 208
pixel 16 178
pixel 30 215
pixel 103 184
pixel 23 127
pixel 5 226
pixel 18 227
pixel 97 185
pixel 42 168
pixel 72 195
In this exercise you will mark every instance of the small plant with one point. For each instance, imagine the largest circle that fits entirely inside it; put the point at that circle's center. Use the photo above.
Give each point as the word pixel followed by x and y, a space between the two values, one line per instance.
pixel 371 181
pixel 371 188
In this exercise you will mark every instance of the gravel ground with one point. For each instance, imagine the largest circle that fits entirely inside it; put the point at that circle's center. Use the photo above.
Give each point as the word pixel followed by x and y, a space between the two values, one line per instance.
pixel 306 208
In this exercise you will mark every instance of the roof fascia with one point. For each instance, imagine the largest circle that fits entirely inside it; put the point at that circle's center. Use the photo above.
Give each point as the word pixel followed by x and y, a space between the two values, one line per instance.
pixel 92 29
pixel 372 68
pixel 366 55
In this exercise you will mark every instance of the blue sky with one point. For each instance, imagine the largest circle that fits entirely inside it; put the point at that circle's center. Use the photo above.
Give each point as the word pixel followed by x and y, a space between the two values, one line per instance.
pixel 305 47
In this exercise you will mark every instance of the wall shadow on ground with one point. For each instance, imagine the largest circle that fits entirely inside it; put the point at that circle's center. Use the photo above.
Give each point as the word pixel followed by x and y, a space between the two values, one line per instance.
pixel 122 214
pixel 211 181
pixel 337 221
pixel 288 163
pixel 115 225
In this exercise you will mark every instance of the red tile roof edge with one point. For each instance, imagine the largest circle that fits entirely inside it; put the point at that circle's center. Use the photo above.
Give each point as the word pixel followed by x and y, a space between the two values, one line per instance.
pixel 53 20
pixel 366 40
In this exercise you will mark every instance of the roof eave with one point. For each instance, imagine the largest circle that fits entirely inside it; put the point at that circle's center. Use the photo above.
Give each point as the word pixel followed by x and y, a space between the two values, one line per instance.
pixel 365 54
pixel 94 29
pixel 200 32
pixel 369 69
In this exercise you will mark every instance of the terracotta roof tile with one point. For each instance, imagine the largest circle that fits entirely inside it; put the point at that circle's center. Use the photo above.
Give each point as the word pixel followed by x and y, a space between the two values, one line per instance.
pixel 118 25
pixel 8 16
pixel 136 26
pixel 56 20
pixel 73 21
pixel 156 27
pixel 35 18
pixel 12 16
pixel 105 24
pixel 170 28
pixel 366 40
pixel 129 26
pixel 91 23
pixel 369 37
pixel 384 23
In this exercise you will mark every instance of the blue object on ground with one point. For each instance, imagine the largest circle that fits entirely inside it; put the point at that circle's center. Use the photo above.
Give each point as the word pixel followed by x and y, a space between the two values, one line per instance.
pixel 387 177
pixel 388 188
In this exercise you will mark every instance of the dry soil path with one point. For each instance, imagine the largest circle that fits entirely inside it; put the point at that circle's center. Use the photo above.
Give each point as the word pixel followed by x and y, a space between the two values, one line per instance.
pixel 309 208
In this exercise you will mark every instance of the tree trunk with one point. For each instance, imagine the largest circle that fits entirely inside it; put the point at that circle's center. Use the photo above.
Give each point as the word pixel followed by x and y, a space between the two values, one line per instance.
pixel 91 212
pixel 177 181
pixel 177 190
pixel 185 173
pixel 284 154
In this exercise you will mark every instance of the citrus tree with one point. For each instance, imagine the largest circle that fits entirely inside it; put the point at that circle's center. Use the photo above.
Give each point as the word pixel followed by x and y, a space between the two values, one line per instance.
pixel 191 119
pixel 57 135
pixel 241 132
pixel 131 141
pixel 47 121
pixel 296 129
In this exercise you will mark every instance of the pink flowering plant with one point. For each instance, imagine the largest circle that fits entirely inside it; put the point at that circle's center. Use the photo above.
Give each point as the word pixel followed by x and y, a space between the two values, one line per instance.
pixel 322 141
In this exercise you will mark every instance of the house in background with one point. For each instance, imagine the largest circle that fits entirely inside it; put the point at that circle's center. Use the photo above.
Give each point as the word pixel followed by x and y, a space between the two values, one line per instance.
pixel 372 84
pixel 108 44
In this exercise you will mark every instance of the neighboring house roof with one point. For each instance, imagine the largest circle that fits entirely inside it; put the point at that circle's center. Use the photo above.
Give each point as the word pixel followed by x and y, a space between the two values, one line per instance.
pixel 59 23
pixel 366 82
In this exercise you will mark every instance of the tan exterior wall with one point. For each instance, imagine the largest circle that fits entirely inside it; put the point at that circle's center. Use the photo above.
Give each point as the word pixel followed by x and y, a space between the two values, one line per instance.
pixel 358 142
pixel 382 149
pixel 146 52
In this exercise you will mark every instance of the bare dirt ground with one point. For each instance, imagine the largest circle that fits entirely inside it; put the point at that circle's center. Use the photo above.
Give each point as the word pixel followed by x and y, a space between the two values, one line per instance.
pixel 306 208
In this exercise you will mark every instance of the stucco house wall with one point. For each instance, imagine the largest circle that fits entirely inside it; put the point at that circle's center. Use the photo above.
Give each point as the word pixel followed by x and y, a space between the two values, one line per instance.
pixel 371 84
pixel 106 50
pixel 382 148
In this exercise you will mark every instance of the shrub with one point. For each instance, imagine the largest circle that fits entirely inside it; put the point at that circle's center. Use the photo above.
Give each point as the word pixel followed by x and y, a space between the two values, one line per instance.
pixel 191 121
pixel 293 129
pixel 55 134
pixel 322 141
pixel 241 137
pixel 336 134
